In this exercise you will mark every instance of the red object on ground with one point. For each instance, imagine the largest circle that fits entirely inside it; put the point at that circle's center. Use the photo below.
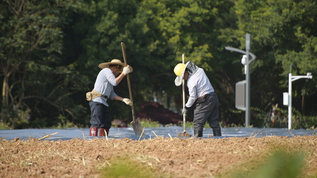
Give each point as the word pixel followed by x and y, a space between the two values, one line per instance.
pixel 155 112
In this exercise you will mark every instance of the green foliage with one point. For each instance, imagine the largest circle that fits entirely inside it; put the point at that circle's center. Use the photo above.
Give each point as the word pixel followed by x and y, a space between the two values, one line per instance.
pixel 280 163
pixel 299 121
pixel 3 126
pixel 262 118
pixel 17 118
pixel 125 167
pixel 35 79
pixel 191 125
pixel 64 123
pixel 50 51
pixel 309 122
pixel 283 42
pixel 149 123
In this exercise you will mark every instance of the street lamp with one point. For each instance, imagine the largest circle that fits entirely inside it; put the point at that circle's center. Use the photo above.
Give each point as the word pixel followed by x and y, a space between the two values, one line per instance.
pixel 246 62
pixel 290 80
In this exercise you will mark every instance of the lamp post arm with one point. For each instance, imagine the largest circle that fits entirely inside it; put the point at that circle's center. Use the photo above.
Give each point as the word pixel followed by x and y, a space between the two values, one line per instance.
pixel 253 57
pixel 241 51
pixel 294 78
pixel 235 49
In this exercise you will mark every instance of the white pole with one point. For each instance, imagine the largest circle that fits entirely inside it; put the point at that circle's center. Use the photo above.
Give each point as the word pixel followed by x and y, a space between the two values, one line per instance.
pixel 290 80
pixel 289 101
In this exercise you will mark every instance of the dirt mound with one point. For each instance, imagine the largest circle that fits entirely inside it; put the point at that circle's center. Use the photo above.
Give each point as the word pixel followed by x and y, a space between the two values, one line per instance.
pixel 171 157
pixel 156 112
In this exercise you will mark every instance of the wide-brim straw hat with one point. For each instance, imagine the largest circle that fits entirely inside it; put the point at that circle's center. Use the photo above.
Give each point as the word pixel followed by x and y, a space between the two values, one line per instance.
pixel 113 62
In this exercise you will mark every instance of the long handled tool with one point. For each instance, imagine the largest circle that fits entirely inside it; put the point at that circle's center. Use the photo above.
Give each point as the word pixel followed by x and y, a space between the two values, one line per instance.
pixel 184 134
pixel 136 125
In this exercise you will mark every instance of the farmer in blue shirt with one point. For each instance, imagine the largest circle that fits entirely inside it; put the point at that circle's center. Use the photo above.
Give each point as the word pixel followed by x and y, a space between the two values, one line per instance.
pixel 107 78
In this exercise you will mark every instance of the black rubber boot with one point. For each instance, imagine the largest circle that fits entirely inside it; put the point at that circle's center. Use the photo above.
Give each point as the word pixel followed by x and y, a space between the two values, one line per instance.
pixel 198 133
pixel 216 131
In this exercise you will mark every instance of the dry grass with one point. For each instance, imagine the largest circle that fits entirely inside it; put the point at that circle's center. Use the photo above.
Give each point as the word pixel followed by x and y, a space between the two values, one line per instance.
pixel 174 157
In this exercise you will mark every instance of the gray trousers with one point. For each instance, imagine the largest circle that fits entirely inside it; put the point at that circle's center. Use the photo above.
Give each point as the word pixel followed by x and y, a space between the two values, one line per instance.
pixel 206 110
pixel 100 116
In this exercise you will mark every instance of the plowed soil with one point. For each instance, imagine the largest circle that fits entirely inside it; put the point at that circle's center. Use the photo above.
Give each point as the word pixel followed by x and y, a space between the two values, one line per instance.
pixel 165 157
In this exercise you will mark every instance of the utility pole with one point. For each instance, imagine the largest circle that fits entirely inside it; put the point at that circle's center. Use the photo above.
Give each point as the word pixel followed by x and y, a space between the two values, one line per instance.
pixel 246 62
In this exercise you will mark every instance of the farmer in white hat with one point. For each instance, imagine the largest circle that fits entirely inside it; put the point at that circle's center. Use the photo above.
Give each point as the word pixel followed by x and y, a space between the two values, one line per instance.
pixel 107 78
pixel 202 98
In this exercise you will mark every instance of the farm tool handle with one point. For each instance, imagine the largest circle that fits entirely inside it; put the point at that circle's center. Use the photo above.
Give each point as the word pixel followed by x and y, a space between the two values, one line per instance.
pixel 183 89
pixel 128 79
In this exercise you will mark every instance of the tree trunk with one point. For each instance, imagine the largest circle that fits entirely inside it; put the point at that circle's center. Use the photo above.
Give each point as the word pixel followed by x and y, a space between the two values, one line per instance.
pixel 5 98
pixel 303 105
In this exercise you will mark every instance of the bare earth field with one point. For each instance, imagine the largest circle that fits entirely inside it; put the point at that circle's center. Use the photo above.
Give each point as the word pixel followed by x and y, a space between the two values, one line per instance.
pixel 164 157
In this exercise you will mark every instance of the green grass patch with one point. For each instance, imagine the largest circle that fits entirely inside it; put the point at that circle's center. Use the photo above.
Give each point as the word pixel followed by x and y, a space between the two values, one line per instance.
pixel 191 125
pixel 3 126
pixel 149 123
pixel 125 167
pixel 280 164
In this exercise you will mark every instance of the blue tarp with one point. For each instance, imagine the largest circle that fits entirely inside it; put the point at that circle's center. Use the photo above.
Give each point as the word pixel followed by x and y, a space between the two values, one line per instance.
pixel 118 133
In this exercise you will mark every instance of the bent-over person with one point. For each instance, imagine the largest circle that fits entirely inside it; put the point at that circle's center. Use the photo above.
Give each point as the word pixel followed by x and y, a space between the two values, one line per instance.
pixel 202 97
pixel 110 76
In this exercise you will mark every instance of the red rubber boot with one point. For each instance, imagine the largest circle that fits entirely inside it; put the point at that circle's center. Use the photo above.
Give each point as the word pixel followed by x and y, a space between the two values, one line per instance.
pixel 103 131
pixel 93 131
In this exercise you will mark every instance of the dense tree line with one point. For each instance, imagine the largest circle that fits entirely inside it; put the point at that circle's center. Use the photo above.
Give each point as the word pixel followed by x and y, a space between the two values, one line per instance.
pixel 50 51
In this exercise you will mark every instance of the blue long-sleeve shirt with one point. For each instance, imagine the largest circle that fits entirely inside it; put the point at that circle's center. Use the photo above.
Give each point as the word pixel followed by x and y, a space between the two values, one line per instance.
pixel 104 84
